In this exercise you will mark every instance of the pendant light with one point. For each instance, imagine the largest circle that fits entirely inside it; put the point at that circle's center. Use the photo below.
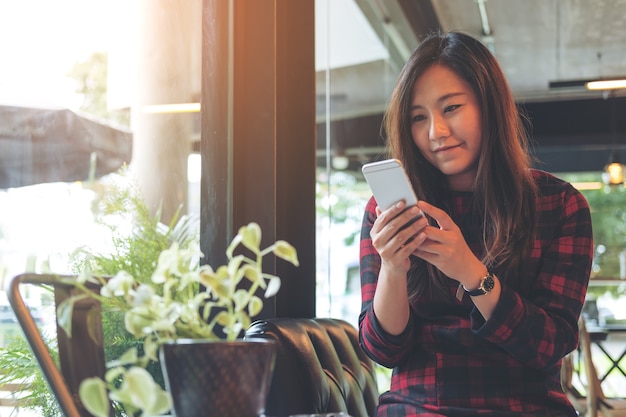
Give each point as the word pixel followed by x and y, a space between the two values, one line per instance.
pixel 613 173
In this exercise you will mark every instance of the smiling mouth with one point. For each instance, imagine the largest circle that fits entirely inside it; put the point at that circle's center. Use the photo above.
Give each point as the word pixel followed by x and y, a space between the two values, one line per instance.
pixel 445 148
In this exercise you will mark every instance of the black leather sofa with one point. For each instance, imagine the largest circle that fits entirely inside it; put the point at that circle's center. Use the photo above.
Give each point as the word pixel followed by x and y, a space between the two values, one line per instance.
pixel 319 368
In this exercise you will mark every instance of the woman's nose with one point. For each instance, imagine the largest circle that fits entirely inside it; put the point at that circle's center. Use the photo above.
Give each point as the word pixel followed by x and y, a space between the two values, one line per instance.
pixel 438 128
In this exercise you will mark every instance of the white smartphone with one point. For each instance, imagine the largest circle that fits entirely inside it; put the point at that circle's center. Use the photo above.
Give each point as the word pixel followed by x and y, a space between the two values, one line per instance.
pixel 389 183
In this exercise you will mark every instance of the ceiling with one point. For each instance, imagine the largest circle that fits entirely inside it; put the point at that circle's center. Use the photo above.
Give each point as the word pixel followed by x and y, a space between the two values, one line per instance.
pixel 536 42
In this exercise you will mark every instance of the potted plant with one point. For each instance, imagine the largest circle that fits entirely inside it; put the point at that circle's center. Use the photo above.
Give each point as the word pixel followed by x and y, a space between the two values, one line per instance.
pixel 134 237
pixel 183 305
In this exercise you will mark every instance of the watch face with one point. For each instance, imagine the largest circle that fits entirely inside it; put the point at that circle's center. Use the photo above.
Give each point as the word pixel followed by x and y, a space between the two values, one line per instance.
pixel 488 283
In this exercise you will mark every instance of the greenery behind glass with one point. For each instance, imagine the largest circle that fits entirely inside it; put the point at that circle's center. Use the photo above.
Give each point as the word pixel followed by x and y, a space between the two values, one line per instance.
pixel 608 217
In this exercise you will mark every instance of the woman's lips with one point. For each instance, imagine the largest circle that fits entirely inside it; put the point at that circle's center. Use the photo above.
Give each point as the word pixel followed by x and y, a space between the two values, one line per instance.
pixel 445 148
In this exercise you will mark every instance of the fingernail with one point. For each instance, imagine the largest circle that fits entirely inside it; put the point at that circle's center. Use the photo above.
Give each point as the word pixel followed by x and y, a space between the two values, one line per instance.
pixel 413 210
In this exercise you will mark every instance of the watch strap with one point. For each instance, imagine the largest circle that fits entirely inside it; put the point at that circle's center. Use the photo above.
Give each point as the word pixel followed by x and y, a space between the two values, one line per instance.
pixel 486 285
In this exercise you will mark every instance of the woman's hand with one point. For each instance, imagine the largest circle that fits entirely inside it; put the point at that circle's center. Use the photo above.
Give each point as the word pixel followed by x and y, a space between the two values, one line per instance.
pixel 393 235
pixel 446 249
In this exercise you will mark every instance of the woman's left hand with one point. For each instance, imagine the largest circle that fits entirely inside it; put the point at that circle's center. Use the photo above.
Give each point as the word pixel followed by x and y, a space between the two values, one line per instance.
pixel 445 247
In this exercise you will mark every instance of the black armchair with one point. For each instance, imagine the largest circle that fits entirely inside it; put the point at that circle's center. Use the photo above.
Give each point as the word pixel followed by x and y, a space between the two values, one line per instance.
pixel 320 368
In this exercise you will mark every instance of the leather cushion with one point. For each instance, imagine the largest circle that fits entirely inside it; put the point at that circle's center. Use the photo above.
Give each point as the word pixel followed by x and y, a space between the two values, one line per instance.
pixel 320 367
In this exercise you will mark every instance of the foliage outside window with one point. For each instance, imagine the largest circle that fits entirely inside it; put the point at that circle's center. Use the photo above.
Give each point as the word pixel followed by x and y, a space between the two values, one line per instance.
pixel 608 215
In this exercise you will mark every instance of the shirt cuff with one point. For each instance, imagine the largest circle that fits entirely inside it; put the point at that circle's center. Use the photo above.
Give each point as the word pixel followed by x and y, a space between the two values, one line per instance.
pixel 503 317
pixel 388 338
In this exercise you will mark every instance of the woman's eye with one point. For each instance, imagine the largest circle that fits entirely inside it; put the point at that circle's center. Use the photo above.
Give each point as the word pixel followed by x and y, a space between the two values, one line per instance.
pixel 418 118
pixel 451 107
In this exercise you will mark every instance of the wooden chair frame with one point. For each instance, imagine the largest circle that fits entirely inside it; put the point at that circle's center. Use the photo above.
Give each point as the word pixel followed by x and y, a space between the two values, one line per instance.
pixel 80 356
pixel 597 402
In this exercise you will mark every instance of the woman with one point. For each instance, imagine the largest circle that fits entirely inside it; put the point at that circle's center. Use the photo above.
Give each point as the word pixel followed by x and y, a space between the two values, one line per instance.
pixel 475 304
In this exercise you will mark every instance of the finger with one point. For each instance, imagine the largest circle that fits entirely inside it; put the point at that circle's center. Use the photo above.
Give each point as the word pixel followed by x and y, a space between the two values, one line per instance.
pixel 424 245
pixel 441 217
pixel 394 210
pixel 387 216
pixel 386 227
pixel 382 218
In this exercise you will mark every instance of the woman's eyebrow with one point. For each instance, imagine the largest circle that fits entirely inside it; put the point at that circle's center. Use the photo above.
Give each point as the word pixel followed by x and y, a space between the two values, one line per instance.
pixel 440 99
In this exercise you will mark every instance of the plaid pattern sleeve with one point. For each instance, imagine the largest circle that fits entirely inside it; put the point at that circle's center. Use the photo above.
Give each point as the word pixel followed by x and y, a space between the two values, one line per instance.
pixel 384 348
pixel 451 362
pixel 542 328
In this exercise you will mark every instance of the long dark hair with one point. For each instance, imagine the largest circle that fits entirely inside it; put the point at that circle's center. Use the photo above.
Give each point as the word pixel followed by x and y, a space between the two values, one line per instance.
pixel 504 189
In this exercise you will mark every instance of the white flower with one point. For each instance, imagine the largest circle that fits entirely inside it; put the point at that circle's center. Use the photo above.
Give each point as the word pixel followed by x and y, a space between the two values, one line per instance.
pixel 119 285
pixel 143 296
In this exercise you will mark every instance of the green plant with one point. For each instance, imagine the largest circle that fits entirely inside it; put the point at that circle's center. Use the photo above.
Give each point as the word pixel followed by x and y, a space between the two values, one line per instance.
pixel 19 366
pixel 183 300
pixel 137 237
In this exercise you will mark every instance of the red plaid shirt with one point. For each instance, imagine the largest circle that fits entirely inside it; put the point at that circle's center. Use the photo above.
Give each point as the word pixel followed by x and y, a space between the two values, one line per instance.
pixel 451 362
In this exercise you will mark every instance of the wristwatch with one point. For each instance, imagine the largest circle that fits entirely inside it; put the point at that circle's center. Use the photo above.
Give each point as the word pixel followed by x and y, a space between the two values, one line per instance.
pixel 486 285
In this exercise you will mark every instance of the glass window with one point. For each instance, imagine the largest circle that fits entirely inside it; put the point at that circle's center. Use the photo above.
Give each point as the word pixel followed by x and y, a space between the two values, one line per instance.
pixel 608 214
pixel 77 78
pixel 354 76
pixel 70 95
pixel 73 86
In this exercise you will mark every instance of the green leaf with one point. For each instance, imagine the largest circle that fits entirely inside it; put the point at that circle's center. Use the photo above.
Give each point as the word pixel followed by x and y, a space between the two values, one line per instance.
pixel 162 403
pixel 129 357
pixel 231 248
pixel 286 251
pixel 94 330
pixel 255 306
pixel 273 285
pixel 251 236
pixel 240 299
pixel 93 394
pixel 253 273
pixel 222 318
pixel 112 374
pixel 233 267
pixel 151 348
pixel 244 322
pixel 142 390
pixel 137 322
pixel 64 313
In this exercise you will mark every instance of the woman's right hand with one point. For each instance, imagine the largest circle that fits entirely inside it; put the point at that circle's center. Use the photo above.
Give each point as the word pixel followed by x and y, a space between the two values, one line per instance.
pixel 393 235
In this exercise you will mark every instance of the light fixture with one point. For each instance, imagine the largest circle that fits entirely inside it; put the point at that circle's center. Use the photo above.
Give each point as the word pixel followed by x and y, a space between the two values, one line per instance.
pixel 614 171
pixel 606 84
pixel 340 160
pixel 171 108
pixel 589 84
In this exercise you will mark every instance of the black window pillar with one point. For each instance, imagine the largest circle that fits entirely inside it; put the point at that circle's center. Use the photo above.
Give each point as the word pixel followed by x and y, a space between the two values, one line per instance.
pixel 258 136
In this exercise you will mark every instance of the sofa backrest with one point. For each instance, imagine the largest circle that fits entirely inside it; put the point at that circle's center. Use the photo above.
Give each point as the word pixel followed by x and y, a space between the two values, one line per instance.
pixel 319 368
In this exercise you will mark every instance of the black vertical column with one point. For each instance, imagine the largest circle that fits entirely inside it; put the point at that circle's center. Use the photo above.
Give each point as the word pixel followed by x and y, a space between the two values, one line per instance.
pixel 258 136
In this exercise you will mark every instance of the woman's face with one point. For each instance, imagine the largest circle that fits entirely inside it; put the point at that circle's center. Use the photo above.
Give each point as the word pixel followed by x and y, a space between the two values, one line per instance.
pixel 446 125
